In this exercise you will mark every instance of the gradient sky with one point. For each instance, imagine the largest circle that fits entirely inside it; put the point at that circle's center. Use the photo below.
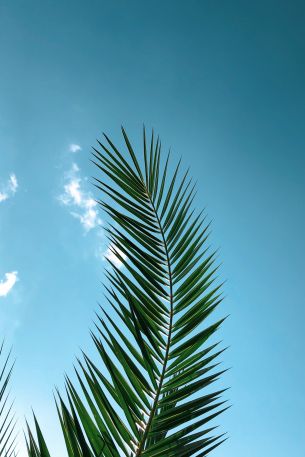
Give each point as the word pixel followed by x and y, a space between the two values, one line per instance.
pixel 224 85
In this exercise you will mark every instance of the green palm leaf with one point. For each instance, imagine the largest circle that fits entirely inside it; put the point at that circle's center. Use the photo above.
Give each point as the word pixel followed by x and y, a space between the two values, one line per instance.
pixel 152 394
pixel 7 420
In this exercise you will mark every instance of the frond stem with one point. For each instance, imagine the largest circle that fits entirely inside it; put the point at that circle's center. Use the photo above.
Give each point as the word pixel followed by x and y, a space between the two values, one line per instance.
pixel 168 343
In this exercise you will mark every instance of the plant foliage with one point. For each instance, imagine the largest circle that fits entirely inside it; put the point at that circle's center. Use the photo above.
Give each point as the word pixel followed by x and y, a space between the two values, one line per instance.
pixel 7 421
pixel 151 395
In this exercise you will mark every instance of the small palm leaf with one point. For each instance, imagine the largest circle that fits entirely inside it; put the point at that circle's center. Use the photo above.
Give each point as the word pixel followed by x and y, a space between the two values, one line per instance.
pixel 152 396
pixel 7 420
pixel 36 449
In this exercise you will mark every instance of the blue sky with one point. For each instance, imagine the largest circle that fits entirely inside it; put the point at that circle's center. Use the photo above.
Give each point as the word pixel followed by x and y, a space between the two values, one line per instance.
pixel 223 84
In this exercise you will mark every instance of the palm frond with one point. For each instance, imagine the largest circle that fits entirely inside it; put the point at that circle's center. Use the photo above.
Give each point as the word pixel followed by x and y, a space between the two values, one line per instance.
pixel 152 395
pixel 34 449
pixel 7 418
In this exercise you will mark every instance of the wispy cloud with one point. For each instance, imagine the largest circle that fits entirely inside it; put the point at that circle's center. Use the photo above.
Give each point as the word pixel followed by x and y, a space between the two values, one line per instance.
pixel 8 283
pixel 111 254
pixel 82 206
pixel 74 147
pixel 9 188
pixel 80 201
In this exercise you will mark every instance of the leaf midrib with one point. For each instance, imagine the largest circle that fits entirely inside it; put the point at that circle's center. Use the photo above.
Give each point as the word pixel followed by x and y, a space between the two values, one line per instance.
pixel 168 344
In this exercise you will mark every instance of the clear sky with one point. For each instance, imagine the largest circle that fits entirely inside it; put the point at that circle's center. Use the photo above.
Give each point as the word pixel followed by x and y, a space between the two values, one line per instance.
pixel 224 85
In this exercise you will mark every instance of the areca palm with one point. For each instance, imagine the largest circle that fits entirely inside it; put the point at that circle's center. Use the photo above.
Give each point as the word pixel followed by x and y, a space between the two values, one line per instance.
pixel 152 394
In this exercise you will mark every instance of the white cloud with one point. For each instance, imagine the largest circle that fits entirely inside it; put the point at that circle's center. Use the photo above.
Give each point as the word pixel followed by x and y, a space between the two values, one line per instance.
pixel 80 201
pixel 8 283
pixel 111 255
pixel 3 196
pixel 73 194
pixel 9 189
pixel 13 183
pixel 74 147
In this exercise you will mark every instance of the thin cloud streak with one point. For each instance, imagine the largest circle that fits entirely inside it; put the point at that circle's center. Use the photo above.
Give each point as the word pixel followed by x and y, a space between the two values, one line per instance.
pixel 81 203
pixel 8 283
pixel 74 147
pixel 9 189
